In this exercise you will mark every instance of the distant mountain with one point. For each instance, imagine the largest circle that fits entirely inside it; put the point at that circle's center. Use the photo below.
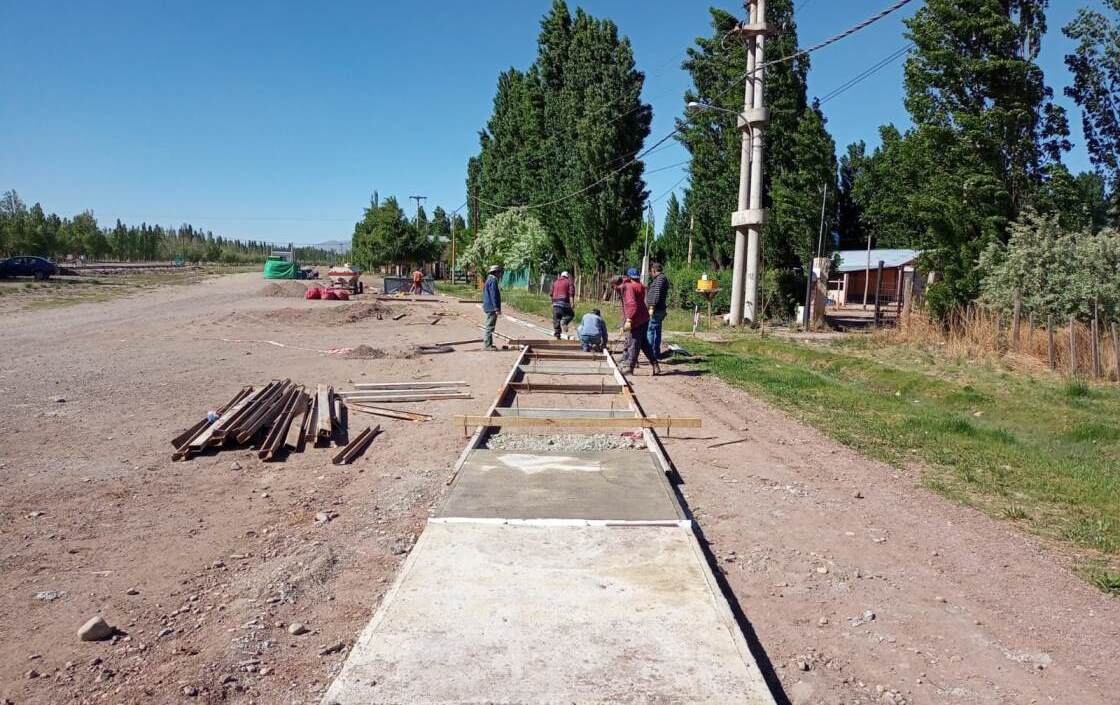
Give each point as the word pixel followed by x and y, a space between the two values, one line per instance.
pixel 339 246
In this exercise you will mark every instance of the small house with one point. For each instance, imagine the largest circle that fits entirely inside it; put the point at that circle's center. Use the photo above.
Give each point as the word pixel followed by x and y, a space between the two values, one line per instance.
pixel 853 280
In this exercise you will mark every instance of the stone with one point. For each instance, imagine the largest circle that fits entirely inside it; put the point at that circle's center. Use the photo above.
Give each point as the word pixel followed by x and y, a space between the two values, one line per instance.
pixel 332 649
pixel 166 631
pixel 59 400
pixel 823 621
pixel 49 595
pixel 235 465
pixel 265 670
pixel 857 494
pixel 96 629
pixel 35 514
pixel 295 629
pixel 802 666
pixel 190 691
pixel 823 570
pixel 32 674
pixel 322 517
pixel 132 591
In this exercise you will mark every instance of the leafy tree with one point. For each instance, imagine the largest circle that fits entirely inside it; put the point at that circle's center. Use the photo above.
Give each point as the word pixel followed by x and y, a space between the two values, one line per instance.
pixel 1056 270
pixel 573 122
pixel 514 239
pixel 1095 64
pixel 384 236
pixel 849 215
pixel 672 245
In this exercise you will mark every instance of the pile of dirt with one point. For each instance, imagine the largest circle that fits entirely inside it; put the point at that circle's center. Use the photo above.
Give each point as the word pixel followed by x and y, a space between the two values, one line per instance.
pixel 325 314
pixel 364 352
pixel 283 289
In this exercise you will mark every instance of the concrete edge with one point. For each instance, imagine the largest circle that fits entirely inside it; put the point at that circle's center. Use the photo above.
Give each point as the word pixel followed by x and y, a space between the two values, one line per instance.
pixel 498 521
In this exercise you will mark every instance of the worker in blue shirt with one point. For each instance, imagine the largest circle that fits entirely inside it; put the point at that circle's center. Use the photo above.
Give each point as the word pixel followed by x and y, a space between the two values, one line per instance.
pixel 491 305
pixel 592 332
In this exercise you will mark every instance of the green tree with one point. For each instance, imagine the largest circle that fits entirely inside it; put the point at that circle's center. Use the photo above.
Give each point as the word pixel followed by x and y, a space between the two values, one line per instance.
pixel 384 236
pixel 800 153
pixel 672 245
pixel 514 239
pixel 1095 65
pixel 849 215
pixel 573 122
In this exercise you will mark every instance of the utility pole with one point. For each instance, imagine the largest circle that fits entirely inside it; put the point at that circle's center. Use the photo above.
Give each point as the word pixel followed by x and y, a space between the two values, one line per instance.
pixel 750 216
pixel 418 199
pixel 452 248
pixel 645 249
pixel 867 271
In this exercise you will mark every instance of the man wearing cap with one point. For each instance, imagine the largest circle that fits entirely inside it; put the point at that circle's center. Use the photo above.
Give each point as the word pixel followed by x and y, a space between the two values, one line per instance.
pixel 657 301
pixel 562 313
pixel 636 317
pixel 491 305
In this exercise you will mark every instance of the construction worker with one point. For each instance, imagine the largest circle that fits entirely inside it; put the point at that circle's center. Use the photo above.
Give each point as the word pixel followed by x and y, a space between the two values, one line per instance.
pixel 657 301
pixel 417 282
pixel 491 305
pixel 562 312
pixel 592 332
pixel 636 320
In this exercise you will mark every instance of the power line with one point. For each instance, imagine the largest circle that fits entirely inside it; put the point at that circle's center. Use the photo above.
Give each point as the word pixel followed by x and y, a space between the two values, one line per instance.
pixel 671 189
pixel 804 52
pixel 866 74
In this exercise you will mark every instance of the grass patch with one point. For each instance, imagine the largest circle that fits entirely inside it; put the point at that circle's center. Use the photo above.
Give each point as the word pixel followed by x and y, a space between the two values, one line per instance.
pixel 1035 451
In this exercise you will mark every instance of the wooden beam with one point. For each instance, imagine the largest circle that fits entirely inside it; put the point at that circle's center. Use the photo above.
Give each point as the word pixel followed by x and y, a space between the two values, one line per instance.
pixel 544 343
pixel 325 407
pixel 183 438
pixel 551 355
pixel 560 370
pixel 391 413
pixel 408 385
pixel 666 422
pixel 392 399
pixel 556 388
pixel 520 411
pixel 356 447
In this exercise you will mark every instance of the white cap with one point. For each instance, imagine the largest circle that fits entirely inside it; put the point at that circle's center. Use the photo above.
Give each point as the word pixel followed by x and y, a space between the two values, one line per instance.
pixel 563 275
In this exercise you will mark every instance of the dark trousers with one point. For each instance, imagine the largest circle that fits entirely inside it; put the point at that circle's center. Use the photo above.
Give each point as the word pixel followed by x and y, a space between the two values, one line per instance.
pixel 655 333
pixel 638 340
pixel 562 315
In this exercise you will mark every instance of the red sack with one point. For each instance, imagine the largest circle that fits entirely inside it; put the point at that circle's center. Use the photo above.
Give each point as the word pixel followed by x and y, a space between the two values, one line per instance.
pixel 330 295
pixel 313 292
pixel 342 295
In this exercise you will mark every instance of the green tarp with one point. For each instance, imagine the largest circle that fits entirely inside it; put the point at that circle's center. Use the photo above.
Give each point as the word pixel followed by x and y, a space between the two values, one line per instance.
pixel 279 268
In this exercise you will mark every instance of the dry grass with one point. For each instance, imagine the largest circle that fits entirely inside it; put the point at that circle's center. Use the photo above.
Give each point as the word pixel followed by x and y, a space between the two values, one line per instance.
pixel 979 333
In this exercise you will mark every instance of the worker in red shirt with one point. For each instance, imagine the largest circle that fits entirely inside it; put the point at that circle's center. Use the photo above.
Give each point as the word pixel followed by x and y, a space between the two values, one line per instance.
pixel 562 311
pixel 636 321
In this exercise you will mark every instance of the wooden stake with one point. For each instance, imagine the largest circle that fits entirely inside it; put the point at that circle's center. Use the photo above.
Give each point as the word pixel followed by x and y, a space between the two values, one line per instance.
pixel 1096 342
pixel 1116 348
pixel 1051 346
pixel 1016 319
pixel 1072 346
pixel 325 408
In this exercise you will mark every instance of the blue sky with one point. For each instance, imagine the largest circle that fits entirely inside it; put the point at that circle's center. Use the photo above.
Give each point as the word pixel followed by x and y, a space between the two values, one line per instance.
pixel 276 120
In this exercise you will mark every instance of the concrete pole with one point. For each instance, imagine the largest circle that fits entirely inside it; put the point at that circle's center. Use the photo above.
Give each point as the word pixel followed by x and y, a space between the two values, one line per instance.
pixel 757 126
pixel 691 234
pixel 738 272
pixel 867 272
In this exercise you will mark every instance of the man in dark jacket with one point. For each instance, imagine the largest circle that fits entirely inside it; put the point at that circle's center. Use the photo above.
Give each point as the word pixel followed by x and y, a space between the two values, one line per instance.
pixel 491 305
pixel 657 300
pixel 562 312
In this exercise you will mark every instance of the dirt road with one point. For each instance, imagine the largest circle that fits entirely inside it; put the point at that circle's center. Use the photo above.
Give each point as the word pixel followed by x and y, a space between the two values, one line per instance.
pixel 205 564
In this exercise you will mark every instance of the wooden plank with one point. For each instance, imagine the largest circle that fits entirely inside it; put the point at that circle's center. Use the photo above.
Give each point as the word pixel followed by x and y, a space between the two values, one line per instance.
pixel 560 371
pixel 393 399
pixel 559 388
pixel 468 341
pixel 356 447
pixel 294 438
pixel 551 355
pixel 205 438
pixel 350 395
pixel 520 411
pixel 274 441
pixel 265 415
pixel 183 438
pixel 252 413
pixel 408 385
pixel 311 420
pixel 666 422
pixel 399 316
pixel 544 343
pixel 391 413
pixel 326 409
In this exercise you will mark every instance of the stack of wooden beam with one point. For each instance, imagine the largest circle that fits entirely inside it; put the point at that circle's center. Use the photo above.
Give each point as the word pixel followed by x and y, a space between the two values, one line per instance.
pixel 398 392
pixel 261 418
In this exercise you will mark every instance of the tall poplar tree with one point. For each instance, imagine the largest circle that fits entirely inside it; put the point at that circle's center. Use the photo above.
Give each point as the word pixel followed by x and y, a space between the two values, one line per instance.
pixel 575 118
pixel 800 153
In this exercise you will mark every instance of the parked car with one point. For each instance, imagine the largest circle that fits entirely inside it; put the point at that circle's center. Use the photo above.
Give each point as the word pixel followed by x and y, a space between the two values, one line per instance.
pixel 24 266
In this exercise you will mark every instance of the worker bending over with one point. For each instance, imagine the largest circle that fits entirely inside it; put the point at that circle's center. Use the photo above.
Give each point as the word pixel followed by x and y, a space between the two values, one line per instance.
pixel 592 332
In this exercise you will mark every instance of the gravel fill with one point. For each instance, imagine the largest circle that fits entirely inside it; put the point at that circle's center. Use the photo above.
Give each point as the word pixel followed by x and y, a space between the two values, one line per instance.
pixel 573 442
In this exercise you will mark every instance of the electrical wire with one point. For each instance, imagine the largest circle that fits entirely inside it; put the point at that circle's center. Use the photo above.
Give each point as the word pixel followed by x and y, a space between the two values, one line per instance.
pixel 866 74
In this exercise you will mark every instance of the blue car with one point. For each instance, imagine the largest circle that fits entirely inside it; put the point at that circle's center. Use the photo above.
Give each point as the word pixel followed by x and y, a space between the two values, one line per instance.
pixel 25 266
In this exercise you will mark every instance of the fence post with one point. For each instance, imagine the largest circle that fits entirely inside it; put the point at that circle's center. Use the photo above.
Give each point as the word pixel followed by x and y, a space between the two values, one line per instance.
pixel 1096 341
pixel 1016 317
pixel 1116 348
pixel 1072 346
pixel 878 289
pixel 1051 347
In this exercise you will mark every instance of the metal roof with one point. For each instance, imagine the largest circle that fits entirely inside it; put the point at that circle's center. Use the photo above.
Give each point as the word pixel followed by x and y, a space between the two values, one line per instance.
pixel 856 260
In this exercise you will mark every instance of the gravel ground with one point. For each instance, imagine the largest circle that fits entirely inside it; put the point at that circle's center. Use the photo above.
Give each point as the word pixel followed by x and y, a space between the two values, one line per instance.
pixel 562 441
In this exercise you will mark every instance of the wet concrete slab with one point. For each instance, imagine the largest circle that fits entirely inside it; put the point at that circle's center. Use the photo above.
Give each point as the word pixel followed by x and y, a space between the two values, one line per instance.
pixel 534 615
pixel 612 486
